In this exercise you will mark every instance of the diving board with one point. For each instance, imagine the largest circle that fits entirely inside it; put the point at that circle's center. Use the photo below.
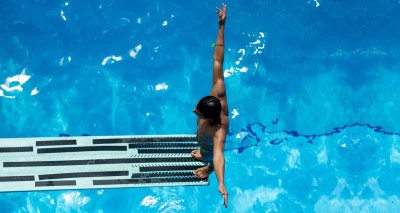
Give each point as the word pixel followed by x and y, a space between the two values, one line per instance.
pixel 89 162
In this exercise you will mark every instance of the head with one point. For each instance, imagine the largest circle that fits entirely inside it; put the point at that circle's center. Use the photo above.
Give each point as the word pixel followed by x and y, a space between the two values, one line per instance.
pixel 209 107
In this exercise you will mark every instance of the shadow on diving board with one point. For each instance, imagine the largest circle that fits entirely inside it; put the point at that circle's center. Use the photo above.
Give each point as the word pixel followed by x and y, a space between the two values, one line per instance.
pixel 88 162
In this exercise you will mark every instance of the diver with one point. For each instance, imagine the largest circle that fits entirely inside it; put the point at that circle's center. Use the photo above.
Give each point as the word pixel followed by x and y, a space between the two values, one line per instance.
pixel 212 117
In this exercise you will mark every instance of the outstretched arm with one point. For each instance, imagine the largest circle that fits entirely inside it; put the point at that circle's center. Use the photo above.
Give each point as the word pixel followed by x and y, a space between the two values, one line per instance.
pixel 218 85
pixel 219 162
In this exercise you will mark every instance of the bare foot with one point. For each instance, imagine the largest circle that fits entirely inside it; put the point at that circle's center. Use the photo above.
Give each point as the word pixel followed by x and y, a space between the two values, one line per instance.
pixel 196 155
pixel 203 172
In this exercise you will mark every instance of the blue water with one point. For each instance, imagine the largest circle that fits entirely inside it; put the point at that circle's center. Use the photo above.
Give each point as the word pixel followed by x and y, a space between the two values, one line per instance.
pixel 312 88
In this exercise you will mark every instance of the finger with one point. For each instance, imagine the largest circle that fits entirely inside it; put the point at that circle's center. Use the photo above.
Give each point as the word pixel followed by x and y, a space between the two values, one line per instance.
pixel 223 6
pixel 218 9
pixel 226 201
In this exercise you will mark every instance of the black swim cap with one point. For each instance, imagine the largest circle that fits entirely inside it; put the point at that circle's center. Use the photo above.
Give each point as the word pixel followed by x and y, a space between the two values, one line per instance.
pixel 210 107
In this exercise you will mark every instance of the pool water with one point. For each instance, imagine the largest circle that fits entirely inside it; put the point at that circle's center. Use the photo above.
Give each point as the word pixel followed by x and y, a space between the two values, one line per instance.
pixel 312 89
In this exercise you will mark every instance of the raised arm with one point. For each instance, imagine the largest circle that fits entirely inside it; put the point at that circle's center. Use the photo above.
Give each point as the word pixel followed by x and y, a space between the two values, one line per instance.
pixel 218 85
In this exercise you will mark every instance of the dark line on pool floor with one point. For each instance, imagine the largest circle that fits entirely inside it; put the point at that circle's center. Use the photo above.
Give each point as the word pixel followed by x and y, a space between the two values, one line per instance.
pixel 252 135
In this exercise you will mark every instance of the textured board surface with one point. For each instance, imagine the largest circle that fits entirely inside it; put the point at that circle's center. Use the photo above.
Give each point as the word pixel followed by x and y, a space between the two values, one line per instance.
pixel 86 162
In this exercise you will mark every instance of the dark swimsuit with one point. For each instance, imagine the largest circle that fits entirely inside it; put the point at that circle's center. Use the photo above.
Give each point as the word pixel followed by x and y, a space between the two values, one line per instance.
pixel 206 154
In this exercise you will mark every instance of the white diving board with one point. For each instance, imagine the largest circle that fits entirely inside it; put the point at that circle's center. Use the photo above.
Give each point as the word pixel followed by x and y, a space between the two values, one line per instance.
pixel 89 162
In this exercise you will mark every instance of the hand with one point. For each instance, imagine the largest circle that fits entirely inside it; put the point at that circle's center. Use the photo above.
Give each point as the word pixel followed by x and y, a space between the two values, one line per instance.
pixel 224 194
pixel 221 15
